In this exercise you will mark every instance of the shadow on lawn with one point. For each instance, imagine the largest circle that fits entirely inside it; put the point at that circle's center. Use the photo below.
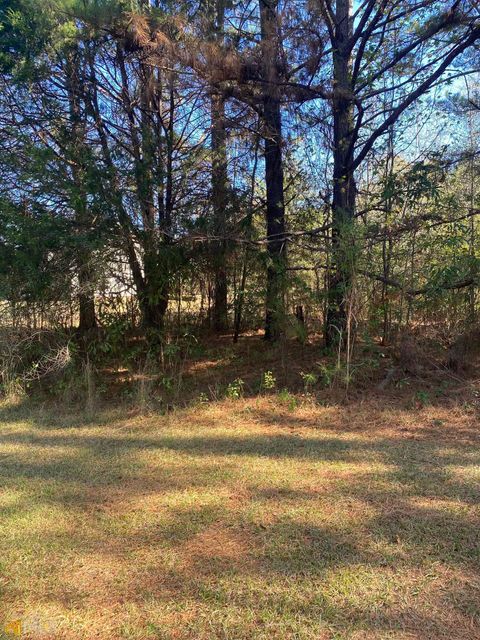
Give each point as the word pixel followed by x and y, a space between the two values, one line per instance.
pixel 408 523
pixel 420 465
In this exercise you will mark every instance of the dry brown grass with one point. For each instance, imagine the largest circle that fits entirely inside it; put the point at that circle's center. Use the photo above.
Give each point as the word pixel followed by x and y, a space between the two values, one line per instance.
pixel 245 519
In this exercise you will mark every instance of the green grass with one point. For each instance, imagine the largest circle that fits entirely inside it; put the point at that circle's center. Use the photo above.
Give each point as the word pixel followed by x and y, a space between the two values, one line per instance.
pixel 242 520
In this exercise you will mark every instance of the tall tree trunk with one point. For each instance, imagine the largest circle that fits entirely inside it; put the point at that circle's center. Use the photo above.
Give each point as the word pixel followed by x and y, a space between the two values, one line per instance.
pixel 86 296
pixel 344 191
pixel 472 199
pixel 219 201
pixel 240 298
pixel 387 242
pixel 275 206
pixel 87 319
pixel 155 294
pixel 216 18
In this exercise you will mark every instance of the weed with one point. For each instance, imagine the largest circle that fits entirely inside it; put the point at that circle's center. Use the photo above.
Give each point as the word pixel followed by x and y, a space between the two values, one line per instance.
pixel 310 379
pixel 235 389
pixel 288 399
pixel 422 398
pixel 203 398
pixel 402 383
pixel 145 385
pixel 269 381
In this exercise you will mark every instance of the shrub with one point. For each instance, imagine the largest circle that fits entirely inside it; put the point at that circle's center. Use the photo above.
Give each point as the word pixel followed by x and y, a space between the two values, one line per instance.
pixel 269 381
pixel 28 356
pixel 235 389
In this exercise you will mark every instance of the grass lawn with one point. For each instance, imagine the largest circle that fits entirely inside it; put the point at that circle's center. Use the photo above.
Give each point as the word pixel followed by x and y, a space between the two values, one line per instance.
pixel 242 520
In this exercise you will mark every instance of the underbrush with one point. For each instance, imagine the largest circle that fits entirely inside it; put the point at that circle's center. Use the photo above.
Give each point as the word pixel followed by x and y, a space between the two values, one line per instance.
pixel 120 368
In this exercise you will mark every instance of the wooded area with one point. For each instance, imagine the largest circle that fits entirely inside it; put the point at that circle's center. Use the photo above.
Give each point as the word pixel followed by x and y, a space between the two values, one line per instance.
pixel 225 165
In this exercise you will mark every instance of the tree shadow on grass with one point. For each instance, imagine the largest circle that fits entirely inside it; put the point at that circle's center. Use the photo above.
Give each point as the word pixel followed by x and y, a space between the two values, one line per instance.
pixel 301 561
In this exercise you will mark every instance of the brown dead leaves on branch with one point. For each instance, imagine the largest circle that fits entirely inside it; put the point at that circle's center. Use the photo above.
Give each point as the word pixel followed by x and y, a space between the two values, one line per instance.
pixel 235 74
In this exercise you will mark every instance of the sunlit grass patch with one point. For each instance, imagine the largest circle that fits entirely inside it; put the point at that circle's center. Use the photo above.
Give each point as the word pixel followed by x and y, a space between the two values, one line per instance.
pixel 240 520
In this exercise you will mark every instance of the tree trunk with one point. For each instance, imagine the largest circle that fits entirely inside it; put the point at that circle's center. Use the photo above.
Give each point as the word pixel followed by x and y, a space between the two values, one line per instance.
pixel 344 192
pixel 240 299
pixel 153 311
pixel 87 318
pixel 155 293
pixel 86 296
pixel 219 179
pixel 153 296
pixel 219 201
pixel 275 206
pixel 387 244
